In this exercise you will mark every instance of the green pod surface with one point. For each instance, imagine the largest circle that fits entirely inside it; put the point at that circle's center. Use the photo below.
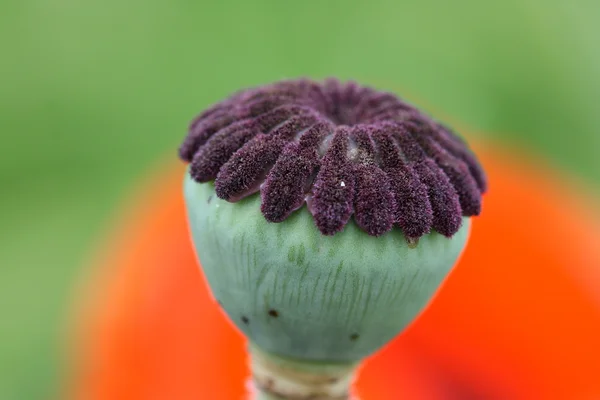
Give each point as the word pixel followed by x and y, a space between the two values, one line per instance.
pixel 296 293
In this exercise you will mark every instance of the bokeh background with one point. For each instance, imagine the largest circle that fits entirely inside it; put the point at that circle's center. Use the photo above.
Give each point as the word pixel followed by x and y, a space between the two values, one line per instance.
pixel 94 94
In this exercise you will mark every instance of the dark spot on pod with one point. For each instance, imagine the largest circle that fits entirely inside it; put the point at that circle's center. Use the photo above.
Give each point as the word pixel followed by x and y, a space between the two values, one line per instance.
pixel 412 242
pixel 354 336
pixel 245 320
pixel 269 383
pixel 273 313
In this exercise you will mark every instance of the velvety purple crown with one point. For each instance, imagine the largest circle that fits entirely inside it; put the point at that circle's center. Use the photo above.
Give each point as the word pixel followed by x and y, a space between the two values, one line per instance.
pixel 343 149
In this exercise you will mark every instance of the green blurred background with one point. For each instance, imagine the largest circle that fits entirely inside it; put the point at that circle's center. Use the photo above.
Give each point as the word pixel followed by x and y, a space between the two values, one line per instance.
pixel 93 93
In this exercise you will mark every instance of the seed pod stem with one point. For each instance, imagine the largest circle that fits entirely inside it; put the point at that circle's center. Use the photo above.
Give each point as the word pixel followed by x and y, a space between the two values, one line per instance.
pixel 278 378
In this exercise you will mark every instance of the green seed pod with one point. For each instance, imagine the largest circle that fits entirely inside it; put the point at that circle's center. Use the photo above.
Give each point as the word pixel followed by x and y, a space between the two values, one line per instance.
pixel 299 294
pixel 316 288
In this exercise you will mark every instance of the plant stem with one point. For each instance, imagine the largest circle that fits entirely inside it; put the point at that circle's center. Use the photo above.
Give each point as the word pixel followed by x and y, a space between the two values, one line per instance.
pixel 278 378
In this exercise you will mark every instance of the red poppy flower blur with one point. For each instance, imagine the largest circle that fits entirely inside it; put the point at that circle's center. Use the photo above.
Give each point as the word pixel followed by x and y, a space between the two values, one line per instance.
pixel 517 319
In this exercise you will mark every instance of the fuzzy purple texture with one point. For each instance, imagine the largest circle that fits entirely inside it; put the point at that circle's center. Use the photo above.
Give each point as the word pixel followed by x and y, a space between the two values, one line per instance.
pixel 291 177
pixel 333 192
pixel 413 212
pixel 345 150
pixel 374 202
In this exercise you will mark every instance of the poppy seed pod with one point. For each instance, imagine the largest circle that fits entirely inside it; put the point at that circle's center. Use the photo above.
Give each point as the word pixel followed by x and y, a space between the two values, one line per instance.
pixel 388 192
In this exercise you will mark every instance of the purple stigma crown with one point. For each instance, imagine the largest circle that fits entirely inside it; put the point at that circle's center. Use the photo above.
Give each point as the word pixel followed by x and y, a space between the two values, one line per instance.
pixel 341 148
